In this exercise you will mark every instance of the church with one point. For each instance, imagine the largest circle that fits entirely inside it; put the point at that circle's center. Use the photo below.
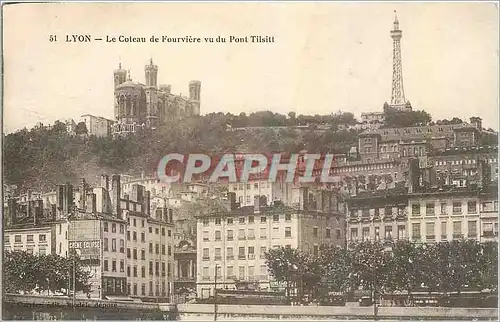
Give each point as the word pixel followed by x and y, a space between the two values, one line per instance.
pixel 149 105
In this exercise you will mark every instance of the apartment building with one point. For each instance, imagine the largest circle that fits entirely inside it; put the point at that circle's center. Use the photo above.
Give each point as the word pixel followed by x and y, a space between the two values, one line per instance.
pixel 232 241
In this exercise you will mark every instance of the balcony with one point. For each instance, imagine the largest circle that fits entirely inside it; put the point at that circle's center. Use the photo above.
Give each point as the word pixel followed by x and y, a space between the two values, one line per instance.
pixel 457 236
pixel 205 278
pixel 489 234
pixel 241 257
pixel 231 277
pixel 472 236
pixel 430 237
pixel 444 237
pixel 230 257
pixel 242 238
pixel 251 237
pixel 263 237
pixel 206 258
pixel 251 256
pixel 230 238
pixel 218 258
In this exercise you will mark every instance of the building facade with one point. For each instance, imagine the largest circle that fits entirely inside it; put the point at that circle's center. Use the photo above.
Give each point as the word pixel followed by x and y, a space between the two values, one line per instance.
pixel 149 105
pixel 232 241
pixel 97 125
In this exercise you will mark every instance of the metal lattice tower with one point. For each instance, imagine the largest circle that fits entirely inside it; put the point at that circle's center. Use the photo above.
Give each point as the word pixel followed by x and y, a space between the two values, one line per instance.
pixel 398 95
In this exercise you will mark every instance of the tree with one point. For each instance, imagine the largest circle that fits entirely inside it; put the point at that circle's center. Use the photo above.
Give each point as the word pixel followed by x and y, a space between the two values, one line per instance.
pixel 81 128
pixel 336 270
pixel 283 264
pixel 405 268
pixel 370 266
pixel 25 272
pixel 489 266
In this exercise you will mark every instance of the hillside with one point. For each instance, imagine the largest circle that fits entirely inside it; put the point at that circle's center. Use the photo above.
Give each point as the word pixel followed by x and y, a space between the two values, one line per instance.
pixel 42 157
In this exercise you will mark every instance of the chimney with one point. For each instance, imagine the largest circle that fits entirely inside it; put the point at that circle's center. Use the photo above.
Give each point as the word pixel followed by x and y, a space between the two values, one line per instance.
pixel 12 210
pixel 232 200
pixel 91 203
pixel 105 181
pixel 256 204
pixel 83 194
pixel 116 194
pixel 147 203
pixel 327 200
pixel 319 200
pixel 304 198
pixel 413 181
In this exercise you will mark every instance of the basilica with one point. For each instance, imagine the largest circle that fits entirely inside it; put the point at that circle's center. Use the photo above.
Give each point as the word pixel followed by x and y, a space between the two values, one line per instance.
pixel 149 105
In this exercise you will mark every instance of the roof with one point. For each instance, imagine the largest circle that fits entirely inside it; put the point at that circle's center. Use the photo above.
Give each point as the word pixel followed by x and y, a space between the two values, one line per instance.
pixel 416 132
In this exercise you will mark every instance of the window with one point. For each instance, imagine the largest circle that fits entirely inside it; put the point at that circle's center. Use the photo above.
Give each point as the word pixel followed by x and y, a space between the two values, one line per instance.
pixel 388 232
pixel 217 254
pixel 472 229
pixel 229 220
pixel 443 208
pixel 157 268
pixel 288 217
pixel 315 250
pixel 206 254
pixel 242 220
pixel 122 265
pixel 457 207
pixel 250 219
pixel 217 221
pixel 415 208
pixel 230 254
pixel 143 271
pixel 163 231
pixel 113 244
pixel 128 252
pixel 128 271
pixel 143 289
pixel 276 232
pixel 488 229
pixel 150 229
pixel 263 219
pixel 157 248
pixel 135 223
pixel 122 246
pixel 263 233
pixel 29 238
pixel 105 246
pixel 217 235
pixel 354 233
pixel 113 266
pixel 288 232
pixel 327 233
pixel 338 234
pixel 315 231
pixel 401 231
pixel 444 234
pixel 105 265
pixel 471 207
pixel 241 253
pixel 169 250
pixel 229 235
pixel 251 252
pixel 157 231
pixel 457 229
pixel 151 248
pixel 150 268
pixel 163 269
pixel 251 234
pixel 122 229
pixel 128 234
pixel 134 236
pixel 143 237
pixel 135 253
pixel 42 238
pixel 276 217
pixel 142 223
pixel 113 228
pixel 429 209
pixel 242 272
pixel 416 230
pixel 205 236
pixel 106 227
pixel 230 272
pixel 429 228
pixel 241 234
pixel 262 252
pixel 205 221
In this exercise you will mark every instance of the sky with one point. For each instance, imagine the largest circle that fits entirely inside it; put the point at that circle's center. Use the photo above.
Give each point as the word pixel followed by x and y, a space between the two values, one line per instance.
pixel 326 57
